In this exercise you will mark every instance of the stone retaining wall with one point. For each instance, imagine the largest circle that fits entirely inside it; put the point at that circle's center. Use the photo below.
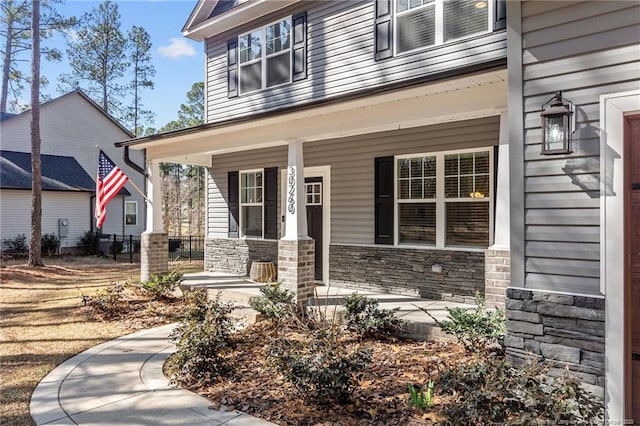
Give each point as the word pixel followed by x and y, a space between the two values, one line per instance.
pixel 235 255
pixel 564 331
pixel 408 271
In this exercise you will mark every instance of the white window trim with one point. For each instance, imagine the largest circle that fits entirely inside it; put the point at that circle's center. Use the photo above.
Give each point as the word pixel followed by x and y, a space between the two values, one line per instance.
pixel 440 200
pixel 241 204
pixel 439 24
pixel 135 203
pixel 264 56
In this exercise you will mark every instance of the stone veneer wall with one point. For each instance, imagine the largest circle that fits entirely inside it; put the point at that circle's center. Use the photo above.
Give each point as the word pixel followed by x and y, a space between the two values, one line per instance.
pixel 562 330
pixel 497 276
pixel 234 255
pixel 409 271
pixel 154 254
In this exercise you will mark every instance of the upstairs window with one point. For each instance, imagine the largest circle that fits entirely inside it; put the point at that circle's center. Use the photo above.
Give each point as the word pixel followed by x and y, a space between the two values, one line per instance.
pixel 265 57
pixel 423 23
pixel 268 57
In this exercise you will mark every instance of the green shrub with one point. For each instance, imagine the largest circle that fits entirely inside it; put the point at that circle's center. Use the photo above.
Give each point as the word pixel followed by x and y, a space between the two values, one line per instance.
pixel 106 302
pixel 363 316
pixel 476 328
pixel 162 285
pixel 17 244
pixel 202 339
pixel 322 368
pixel 421 398
pixel 88 242
pixel 50 244
pixel 490 391
pixel 275 304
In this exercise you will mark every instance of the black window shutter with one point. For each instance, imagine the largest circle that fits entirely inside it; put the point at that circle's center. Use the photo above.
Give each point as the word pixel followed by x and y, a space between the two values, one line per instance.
pixel 232 68
pixel 383 29
pixel 384 200
pixel 271 203
pixel 233 200
pixel 501 15
pixel 299 55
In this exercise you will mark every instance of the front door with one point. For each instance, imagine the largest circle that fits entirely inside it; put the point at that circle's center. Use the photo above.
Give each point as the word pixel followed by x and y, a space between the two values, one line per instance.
pixel 632 267
pixel 313 196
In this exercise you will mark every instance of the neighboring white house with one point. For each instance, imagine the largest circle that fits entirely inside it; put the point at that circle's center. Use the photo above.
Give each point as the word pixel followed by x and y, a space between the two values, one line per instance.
pixel 71 125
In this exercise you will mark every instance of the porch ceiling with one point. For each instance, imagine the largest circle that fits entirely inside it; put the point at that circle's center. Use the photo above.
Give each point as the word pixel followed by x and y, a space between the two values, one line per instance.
pixel 453 100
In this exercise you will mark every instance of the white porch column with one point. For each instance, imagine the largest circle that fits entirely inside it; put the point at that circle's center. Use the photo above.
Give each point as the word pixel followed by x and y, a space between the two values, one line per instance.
pixel 154 197
pixel 296 251
pixel 295 205
pixel 154 255
pixel 498 256
pixel 502 222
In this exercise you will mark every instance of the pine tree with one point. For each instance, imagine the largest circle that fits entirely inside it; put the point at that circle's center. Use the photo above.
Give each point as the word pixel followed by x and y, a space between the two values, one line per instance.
pixel 142 72
pixel 15 42
pixel 35 247
pixel 98 57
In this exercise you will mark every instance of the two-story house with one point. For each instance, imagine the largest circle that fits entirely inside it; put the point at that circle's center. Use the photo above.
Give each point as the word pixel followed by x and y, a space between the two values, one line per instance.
pixel 71 126
pixel 386 145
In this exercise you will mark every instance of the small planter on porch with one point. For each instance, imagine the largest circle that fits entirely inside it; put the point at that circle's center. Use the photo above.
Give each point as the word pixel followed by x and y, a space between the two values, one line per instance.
pixel 263 272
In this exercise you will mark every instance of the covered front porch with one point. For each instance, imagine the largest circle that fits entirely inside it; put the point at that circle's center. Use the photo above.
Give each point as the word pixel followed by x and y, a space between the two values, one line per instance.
pixel 329 299
pixel 266 170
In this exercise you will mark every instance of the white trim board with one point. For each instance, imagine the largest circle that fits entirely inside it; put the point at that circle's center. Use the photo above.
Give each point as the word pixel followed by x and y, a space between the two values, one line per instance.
pixel 613 108
pixel 325 173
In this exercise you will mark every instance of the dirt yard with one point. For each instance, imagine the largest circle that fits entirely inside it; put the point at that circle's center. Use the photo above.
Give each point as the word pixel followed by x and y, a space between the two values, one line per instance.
pixel 43 322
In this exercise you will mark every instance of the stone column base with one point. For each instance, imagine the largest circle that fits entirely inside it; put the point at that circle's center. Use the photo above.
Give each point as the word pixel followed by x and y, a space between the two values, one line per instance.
pixel 154 254
pixel 296 267
pixel 497 276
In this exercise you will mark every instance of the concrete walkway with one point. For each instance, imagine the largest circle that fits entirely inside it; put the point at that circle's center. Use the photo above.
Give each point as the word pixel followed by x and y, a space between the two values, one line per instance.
pixel 120 382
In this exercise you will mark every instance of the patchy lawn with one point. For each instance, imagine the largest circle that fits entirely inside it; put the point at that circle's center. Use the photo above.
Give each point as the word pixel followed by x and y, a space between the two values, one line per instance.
pixel 43 322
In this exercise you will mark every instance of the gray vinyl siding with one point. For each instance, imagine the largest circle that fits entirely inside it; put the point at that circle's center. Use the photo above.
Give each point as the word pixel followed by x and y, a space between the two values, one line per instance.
pixel 585 49
pixel 352 170
pixel 340 60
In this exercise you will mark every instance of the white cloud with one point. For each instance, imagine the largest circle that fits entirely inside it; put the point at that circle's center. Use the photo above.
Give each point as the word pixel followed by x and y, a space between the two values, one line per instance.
pixel 177 48
pixel 71 34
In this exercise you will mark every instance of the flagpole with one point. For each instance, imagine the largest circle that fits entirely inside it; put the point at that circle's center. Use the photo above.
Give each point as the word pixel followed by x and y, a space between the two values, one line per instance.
pixel 99 148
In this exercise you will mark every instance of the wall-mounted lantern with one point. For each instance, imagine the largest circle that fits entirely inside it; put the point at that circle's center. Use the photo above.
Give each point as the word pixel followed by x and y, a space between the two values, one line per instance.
pixel 557 125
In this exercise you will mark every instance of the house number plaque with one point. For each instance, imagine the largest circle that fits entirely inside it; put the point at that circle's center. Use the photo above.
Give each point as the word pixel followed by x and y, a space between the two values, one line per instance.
pixel 292 190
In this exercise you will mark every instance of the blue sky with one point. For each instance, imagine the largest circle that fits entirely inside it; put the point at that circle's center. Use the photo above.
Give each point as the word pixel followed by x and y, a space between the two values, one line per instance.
pixel 179 62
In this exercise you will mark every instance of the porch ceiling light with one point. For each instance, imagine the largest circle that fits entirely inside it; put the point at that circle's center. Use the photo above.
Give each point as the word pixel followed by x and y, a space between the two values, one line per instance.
pixel 557 126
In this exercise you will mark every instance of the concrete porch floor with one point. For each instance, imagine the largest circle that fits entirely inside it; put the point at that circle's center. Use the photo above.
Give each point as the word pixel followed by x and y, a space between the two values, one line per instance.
pixel 240 289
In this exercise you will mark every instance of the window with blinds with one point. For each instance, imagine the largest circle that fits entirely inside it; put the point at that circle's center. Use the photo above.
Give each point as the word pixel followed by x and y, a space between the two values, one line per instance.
pixel 447 195
pixel 251 204
pixel 265 57
pixel 423 23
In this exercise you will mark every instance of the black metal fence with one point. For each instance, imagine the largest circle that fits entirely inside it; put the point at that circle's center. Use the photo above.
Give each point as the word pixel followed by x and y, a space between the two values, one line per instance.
pixel 124 248
pixel 186 248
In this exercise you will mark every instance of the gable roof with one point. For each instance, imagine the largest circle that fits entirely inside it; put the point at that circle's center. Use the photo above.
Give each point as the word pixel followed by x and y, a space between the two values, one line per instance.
pixel 84 96
pixel 59 173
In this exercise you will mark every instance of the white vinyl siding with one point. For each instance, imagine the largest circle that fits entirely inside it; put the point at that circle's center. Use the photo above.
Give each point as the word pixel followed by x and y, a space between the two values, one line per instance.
pixel 352 170
pixel 16 207
pixel 585 49
pixel 70 126
pixel 340 60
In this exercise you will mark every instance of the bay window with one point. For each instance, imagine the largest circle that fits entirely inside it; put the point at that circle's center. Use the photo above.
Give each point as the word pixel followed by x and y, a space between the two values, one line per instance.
pixel 444 199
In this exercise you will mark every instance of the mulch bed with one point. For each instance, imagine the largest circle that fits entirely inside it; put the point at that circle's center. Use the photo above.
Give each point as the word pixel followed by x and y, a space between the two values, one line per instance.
pixel 381 398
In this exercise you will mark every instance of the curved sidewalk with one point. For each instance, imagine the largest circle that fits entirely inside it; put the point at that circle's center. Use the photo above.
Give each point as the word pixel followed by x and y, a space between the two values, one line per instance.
pixel 120 382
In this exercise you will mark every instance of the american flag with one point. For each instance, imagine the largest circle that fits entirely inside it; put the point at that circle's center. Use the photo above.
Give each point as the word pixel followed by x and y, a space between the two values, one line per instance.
pixel 110 180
